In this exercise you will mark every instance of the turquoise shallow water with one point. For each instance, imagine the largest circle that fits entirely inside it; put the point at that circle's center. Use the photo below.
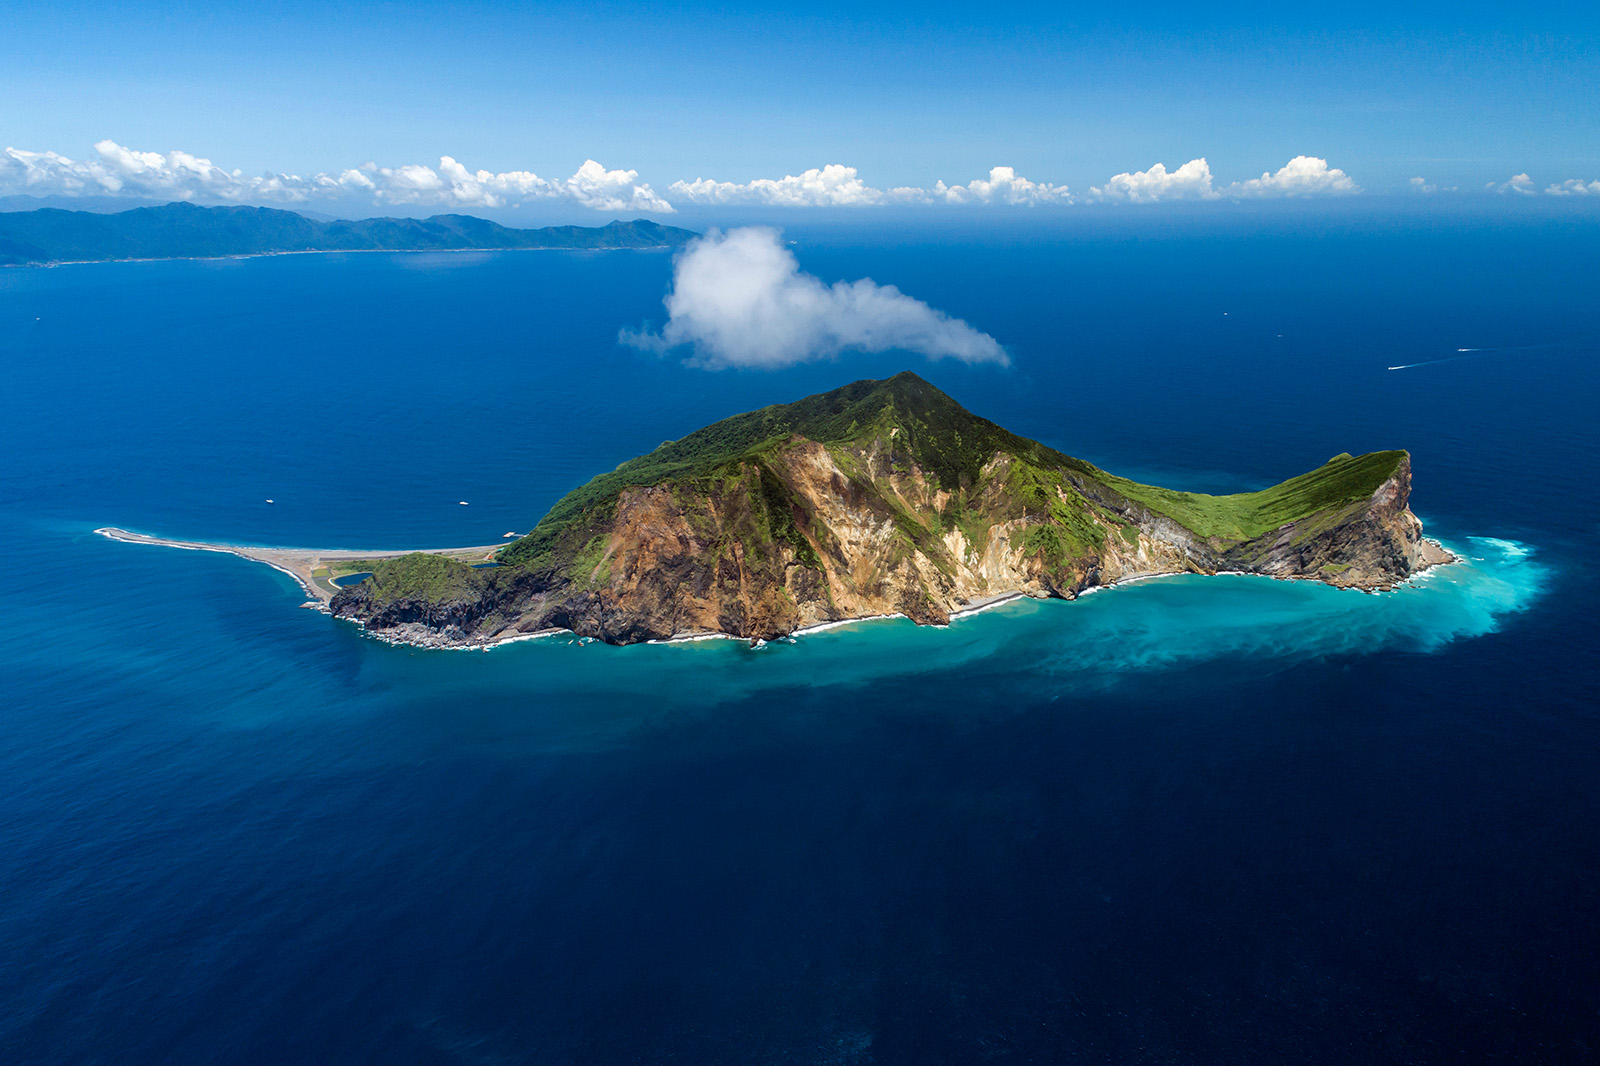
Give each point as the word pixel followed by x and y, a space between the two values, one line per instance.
pixel 1150 625
pixel 1185 819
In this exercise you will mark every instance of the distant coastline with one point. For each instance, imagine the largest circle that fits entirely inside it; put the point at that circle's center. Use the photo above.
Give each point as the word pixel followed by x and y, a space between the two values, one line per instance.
pixel 54 237
pixel 315 251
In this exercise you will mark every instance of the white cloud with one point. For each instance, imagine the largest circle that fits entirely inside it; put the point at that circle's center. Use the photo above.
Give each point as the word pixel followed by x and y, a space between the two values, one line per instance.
pixel 836 185
pixel 1004 186
pixel 119 171
pixel 1574 187
pixel 1425 187
pixel 740 300
pixel 115 171
pixel 596 187
pixel 1304 175
pixel 829 186
pixel 1520 184
pixel 1192 181
pixel 593 186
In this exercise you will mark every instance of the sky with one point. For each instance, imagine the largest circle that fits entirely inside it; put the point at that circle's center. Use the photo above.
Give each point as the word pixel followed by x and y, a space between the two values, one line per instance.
pixel 699 109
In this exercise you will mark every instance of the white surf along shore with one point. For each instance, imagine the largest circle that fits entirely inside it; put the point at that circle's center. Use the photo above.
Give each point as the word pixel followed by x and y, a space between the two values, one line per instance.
pixel 311 568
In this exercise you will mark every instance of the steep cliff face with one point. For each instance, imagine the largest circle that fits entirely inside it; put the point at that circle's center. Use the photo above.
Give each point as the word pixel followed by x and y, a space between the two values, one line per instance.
pixel 1354 539
pixel 1373 543
pixel 880 498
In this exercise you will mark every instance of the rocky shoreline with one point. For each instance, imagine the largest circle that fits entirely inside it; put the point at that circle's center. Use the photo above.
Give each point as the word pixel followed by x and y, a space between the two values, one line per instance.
pixel 295 562
pixel 418 635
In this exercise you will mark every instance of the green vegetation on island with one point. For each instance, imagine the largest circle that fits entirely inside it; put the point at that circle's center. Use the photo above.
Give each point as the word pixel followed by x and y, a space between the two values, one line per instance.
pixel 929 431
pixel 927 428
pixel 1342 480
pixel 877 497
pixel 432 577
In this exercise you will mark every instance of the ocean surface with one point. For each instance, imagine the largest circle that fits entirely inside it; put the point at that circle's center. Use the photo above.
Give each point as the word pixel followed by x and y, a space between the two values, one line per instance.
pixel 1186 820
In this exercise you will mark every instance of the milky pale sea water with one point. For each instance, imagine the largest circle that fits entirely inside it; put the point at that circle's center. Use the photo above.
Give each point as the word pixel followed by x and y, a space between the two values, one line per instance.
pixel 1187 820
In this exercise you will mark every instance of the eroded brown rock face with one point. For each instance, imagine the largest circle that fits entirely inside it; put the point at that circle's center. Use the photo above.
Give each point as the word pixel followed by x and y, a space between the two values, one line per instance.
pixel 811 533
pixel 1372 544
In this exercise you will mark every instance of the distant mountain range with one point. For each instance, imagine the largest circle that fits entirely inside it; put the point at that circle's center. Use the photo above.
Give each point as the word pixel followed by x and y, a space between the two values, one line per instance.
pixel 185 231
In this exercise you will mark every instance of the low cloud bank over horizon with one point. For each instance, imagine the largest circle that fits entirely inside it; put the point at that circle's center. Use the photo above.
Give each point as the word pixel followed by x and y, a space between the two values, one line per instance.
pixel 117 172
pixel 841 186
pixel 740 299
pixel 1523 185
pixel 1302 176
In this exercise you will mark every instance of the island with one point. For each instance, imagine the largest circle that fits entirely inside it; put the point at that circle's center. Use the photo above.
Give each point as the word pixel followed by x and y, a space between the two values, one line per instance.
pixel 49 236
pixel 878 498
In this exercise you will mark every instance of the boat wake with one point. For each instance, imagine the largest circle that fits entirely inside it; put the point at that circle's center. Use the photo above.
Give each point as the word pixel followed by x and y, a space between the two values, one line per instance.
pixel 1472 353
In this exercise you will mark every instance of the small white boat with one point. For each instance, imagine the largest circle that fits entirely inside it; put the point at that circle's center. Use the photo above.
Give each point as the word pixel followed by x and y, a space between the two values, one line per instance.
pixel 462 502
pixel 269 501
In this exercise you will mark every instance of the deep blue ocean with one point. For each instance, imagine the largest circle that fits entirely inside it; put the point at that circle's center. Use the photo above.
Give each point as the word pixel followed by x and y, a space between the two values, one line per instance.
pixel 1219 820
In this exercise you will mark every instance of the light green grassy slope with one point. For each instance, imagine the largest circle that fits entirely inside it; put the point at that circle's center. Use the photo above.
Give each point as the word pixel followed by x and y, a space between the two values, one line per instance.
pixel 1340 481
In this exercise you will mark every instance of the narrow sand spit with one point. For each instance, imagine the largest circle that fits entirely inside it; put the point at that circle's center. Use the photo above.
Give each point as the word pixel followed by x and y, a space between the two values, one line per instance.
pixel 300 563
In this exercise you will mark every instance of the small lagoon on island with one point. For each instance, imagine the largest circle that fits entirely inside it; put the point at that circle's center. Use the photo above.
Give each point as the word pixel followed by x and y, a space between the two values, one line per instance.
pixel 1181 819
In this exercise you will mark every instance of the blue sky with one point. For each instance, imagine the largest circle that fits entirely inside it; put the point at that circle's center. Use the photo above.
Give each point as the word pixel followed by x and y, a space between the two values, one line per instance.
pixel 1067 96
